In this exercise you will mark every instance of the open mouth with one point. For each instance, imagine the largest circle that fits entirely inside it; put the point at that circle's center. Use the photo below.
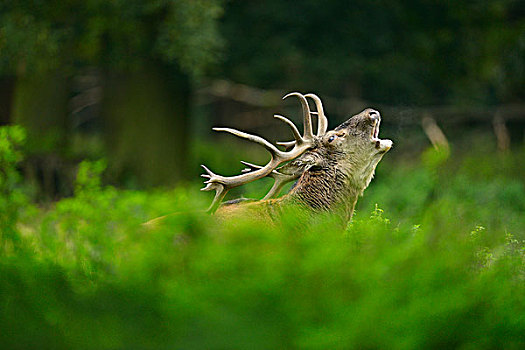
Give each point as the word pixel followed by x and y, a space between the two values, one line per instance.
pixel 375 129
pixel 381 145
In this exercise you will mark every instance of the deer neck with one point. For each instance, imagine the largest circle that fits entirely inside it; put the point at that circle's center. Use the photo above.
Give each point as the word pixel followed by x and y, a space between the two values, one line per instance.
pixel 330 188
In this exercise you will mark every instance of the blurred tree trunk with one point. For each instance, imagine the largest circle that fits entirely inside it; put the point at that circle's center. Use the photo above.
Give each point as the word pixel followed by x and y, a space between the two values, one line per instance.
pixel 40 105
pixel 7 85
pixel 146 113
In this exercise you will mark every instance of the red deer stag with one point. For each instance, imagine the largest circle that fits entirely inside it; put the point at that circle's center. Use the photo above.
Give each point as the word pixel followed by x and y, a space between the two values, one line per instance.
pixel 332 168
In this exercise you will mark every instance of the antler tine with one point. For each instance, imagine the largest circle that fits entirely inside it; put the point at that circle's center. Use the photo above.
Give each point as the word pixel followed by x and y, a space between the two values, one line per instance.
pixel 280 179
pixel 251 165
pixel 307 118
pixel 220 190
pixel 208 171
pixel 322 125
pixel 296 134
pixel 257 139
pixel 287 144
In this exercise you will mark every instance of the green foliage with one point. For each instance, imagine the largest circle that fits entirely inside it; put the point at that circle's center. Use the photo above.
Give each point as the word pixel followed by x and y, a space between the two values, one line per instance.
pixel 12 196
pixel 484 188
pixel 89 177
pixel 87 275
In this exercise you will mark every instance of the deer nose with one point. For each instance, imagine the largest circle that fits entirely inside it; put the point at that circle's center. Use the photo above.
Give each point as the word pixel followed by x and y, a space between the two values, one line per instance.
pixel 374 115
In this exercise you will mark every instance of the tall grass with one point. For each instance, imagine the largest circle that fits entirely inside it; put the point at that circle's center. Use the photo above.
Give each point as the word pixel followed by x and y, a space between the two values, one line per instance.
pixel 441 265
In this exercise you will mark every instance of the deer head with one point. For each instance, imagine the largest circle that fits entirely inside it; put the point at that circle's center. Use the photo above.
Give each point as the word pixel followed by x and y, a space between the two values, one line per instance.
pixel 332 167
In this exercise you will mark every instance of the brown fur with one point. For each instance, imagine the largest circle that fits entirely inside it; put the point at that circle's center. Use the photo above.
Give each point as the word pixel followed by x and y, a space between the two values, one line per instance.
pixel 334 174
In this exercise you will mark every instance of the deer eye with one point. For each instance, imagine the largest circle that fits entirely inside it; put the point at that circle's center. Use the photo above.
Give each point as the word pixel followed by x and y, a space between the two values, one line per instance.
pixel 331 138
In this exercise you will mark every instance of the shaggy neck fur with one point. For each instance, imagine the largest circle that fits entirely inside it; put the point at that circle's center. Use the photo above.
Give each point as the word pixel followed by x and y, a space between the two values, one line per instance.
pixel 332 186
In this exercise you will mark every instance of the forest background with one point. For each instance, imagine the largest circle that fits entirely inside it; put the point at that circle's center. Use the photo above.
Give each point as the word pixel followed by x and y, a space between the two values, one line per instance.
pixel 106 109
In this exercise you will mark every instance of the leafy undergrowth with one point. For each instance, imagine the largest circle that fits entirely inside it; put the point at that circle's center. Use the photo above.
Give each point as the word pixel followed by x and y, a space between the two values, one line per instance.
pixel 87 275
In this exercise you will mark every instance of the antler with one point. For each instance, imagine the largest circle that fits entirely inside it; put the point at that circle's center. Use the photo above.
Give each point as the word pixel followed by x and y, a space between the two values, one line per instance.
pixel 322 123
pixel 280 179
pixel 301 143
